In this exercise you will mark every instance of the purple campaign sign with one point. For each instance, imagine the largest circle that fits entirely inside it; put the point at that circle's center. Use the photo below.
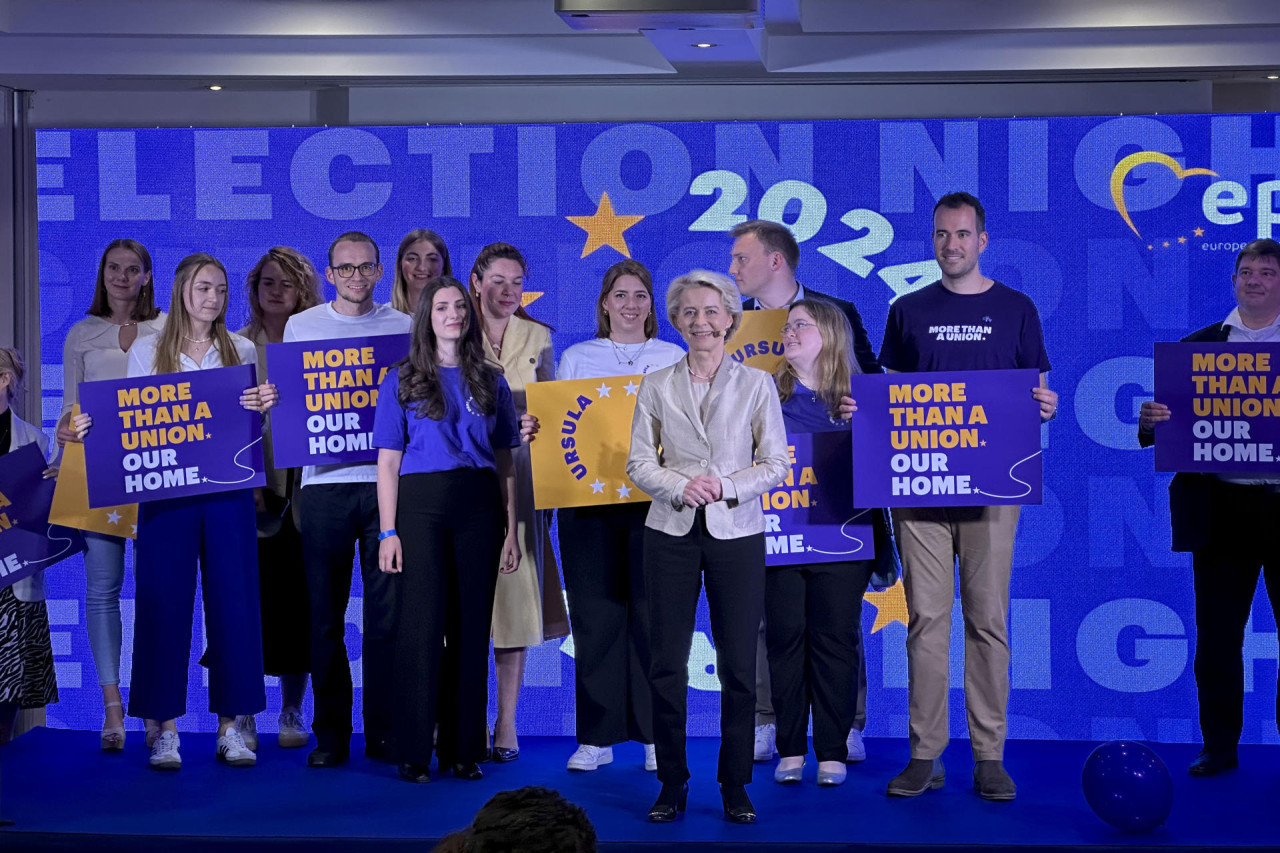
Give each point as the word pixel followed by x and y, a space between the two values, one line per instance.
pixel 28 542
pixel 171 436
pixel 953 438
pixel 1224 408
pixel 810 517
pixel 328 393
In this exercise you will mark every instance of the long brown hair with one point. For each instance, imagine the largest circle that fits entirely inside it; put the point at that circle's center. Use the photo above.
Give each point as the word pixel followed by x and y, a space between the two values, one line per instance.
pixel 611 276
pixel 178 326
pixel 835 362
pixel 484 260
pixel 400 287
pixel 296 269
pixel 420 369
pixel 144 307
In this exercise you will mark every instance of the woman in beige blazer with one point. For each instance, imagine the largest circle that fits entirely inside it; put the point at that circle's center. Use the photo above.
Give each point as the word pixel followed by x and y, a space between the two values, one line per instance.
pixel 528 606
pixel 707 440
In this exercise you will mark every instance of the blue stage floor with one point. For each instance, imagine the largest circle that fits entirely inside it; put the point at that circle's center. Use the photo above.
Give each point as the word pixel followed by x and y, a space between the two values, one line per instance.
pixel 67 795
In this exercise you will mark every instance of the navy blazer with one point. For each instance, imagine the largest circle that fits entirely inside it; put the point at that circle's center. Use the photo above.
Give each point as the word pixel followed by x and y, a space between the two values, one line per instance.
pixel 1189 493
pixel 862 350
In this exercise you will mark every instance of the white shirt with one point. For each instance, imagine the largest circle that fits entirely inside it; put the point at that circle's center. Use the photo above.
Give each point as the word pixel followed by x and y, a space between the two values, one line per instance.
pixel 323 323
pixel 142 356
pixel 92 352
pixel 1239 333
pixel 600 357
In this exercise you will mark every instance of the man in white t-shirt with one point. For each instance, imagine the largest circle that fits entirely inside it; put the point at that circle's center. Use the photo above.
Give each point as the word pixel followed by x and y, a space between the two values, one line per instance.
pixel 339 511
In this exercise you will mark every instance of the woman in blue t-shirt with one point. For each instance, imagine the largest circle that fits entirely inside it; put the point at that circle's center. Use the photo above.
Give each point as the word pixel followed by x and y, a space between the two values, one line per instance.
pixel 444 429
pixel 813 610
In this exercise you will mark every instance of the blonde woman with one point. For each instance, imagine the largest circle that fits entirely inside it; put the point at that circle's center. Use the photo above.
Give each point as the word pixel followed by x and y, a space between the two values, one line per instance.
pixel 422 256
pixel 528 607
pixel 123 310
pixel 26 650
pixel 214 532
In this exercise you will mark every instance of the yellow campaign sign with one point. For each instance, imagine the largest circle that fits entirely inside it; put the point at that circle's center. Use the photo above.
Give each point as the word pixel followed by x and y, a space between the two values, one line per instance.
pixel 70 506
pixel 758 342
pixel 580 452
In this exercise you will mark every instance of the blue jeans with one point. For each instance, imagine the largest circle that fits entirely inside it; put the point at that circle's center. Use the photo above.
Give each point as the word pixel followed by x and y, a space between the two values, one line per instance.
pixel 103 578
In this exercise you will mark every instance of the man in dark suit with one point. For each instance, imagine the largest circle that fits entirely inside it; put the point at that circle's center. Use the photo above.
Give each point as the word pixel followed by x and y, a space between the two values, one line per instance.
pixel 763 265
pixel 1229 524
pixel 764 260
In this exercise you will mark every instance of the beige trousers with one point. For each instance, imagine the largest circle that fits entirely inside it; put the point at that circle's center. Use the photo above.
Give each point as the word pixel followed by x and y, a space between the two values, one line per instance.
pixel 932 541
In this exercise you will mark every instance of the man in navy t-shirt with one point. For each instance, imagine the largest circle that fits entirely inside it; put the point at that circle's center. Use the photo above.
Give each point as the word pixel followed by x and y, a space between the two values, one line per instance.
pixel 965 321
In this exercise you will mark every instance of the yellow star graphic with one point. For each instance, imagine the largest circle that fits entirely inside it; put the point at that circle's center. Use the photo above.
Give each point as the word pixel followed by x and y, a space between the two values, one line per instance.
pixel 1149 246
pixel 604 227
pixel 890 605
pixel 1182 239
pixel 529 297
pixel 1166 244
pixel 1199 232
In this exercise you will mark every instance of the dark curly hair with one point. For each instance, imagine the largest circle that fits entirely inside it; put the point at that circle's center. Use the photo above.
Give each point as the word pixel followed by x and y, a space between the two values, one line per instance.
pixel 531 820
pixel 419 370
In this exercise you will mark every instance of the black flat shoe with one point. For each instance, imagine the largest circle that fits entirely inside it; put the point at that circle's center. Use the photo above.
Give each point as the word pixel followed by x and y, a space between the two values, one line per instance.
pixel 670 803
pixel 1211 762
pixel 466 770
pixel 737 805
pixel 502 755
pixel 417 773
pixel 321 757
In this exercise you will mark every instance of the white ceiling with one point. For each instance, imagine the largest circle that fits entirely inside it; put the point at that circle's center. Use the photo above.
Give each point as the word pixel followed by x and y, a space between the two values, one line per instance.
pixel 283 45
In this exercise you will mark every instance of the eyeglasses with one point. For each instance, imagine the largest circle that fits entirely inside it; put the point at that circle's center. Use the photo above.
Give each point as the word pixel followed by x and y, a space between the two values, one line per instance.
pixel 798 326
pixel 348 270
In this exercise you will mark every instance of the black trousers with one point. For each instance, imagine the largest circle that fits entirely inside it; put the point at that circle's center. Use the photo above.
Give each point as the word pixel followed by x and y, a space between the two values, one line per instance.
pixel 336 518
pixel 451 526
pixel 1244 536
pixel 813 614
pixel 602 554
pixel 675 568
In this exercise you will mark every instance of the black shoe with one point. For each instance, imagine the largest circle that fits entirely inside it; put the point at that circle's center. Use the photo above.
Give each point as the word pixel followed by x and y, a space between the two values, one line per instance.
pixel 325 757
pixel 417 773
pixel 737 806
pixel 467 770
pixel 992 781
pixel 1211 762
pixel 502 755
pixel 920 775
pixel 376 749
pixel 670 803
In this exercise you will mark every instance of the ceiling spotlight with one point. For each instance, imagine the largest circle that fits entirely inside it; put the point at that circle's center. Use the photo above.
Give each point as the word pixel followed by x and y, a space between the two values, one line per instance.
pixel 214 87
pixel 1273 76
pixel 704 44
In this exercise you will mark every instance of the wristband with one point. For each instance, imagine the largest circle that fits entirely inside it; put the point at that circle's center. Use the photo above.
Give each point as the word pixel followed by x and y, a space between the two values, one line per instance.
pixel 387 534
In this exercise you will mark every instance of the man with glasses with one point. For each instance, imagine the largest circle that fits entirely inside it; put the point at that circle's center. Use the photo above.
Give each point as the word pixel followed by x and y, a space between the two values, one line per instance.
pixel 339 511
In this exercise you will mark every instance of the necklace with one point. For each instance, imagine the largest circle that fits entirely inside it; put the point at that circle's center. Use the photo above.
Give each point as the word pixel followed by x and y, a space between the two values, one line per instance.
pixel 620 351
pixel 197 340
pixel 497 349
pixel 697 375
pixel 130 323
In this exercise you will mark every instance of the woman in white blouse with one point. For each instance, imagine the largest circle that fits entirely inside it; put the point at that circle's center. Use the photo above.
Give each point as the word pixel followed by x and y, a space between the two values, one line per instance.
pixel 215 531
pixel 97 347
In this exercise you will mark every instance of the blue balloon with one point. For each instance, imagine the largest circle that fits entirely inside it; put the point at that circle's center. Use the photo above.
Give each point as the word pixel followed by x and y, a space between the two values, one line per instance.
pixel 1127 785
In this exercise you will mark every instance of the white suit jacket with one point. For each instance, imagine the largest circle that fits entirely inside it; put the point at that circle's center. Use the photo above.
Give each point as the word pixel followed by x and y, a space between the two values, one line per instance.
pixel 20 433
pixel 670 445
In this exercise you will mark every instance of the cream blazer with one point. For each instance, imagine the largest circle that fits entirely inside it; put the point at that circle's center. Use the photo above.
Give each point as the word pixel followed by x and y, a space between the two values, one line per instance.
pixel 670 444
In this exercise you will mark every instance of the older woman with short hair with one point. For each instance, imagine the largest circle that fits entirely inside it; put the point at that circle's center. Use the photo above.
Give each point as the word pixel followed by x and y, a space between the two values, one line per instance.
pixel 707 440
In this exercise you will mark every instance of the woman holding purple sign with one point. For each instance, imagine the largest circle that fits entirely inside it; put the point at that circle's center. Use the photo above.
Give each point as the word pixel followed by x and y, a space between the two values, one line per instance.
pixel 445 428
pixel 281 284
pixel 26 651
pixel 813 610
pixel 212 531
pixel 97 347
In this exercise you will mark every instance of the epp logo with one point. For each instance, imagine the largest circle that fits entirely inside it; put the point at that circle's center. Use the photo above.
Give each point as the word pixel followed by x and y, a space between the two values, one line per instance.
pixel 1122 169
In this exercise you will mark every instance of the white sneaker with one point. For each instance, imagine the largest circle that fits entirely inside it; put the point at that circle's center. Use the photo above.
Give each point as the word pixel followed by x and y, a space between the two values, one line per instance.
pixel 766 742
pixel 650 757
pixel 164 752
pixel 247 726
pixel 857 749
pixel 293 730
pixel 590 757
pixel 231 749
